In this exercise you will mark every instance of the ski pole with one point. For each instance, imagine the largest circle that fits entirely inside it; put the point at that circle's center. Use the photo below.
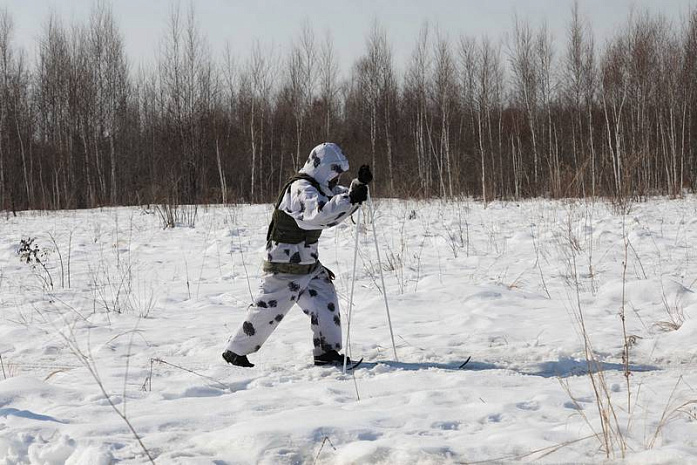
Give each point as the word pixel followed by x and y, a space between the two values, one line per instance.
pixel 353 282
pixel 382 275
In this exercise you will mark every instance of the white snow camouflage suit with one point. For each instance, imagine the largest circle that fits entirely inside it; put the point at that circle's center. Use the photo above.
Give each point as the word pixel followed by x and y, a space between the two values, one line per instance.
pixel 312 209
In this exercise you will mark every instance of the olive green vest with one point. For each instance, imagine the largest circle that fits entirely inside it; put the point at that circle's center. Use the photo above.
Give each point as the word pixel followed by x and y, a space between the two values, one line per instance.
pixel 283 227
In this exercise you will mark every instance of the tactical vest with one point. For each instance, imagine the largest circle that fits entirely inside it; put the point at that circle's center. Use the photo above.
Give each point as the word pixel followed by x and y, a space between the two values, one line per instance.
pixel 283 227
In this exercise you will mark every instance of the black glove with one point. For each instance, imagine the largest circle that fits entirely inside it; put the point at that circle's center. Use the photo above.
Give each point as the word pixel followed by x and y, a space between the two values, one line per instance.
pixel 358 193
pixel 364 174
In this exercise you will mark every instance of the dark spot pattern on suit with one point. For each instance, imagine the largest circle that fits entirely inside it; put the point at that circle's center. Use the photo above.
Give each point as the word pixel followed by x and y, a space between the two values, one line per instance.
pixel 248 328
pixel 325 346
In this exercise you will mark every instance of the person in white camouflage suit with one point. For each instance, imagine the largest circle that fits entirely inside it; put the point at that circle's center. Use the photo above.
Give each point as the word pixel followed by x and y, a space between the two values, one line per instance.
pixel 309 202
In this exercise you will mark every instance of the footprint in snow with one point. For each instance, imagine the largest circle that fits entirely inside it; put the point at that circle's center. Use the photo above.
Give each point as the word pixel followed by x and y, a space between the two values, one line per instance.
pixel 528 405
pixel 447 425
pixel 573 405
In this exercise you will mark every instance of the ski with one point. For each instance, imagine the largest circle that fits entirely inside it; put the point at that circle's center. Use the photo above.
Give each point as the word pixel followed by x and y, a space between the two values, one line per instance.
pixel 410 366
pixel 464 363
pixel 354 365
pixel 349 366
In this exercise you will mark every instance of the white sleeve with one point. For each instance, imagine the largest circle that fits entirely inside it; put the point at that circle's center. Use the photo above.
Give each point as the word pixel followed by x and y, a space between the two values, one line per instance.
pixel 312 211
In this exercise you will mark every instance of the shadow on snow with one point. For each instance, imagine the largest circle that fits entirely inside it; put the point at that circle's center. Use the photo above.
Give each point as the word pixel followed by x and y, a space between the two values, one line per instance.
pixel 565 368
pixel 562 368
pixel 6 412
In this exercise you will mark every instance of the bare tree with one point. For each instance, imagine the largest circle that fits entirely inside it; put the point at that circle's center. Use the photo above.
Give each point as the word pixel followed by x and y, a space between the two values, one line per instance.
pixel 6 60
pixel 377 87
pixel 444 94
pixel 615 82
pixel 52 85
pixel 578 82
pixel 329 82
pixel 113 85
pixel 689 78
pixel 486 87
pixel 526 84
pixel 302 80
pixel 416 90
pixel 186 78
pixel 672 106
pixel 547 89
pixel 229 93
pixel 255 91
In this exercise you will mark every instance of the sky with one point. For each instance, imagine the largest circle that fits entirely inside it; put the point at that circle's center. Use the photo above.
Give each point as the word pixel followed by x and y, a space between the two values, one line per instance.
pixel 276 23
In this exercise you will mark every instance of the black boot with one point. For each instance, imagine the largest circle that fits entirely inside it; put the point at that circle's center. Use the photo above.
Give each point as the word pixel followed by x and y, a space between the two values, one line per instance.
pixel 238 360
pixel 331 358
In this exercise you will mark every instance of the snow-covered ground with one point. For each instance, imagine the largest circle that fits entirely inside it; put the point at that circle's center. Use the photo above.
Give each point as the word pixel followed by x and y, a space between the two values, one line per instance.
pixel 138 316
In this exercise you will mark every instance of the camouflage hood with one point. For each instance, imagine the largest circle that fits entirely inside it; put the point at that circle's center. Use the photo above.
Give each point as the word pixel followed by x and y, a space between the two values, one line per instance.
pixel 326 161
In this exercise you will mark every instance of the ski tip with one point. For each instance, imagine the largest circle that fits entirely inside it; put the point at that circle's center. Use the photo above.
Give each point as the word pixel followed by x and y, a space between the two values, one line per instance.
pixel 354 365
pixel 465 363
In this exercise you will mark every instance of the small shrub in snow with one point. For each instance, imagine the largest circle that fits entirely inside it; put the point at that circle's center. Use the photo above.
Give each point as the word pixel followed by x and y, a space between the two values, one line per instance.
pixel 30 253
pixel 173 215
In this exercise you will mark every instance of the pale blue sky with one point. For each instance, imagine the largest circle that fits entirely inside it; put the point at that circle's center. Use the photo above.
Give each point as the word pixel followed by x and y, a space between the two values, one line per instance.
pixel 277 22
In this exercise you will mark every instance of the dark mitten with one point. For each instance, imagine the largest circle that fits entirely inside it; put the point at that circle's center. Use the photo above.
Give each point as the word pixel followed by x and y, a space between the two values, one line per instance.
pixel 364 174
pixel 358 193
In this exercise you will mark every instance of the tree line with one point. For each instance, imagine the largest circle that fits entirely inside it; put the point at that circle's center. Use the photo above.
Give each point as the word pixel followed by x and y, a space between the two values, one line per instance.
pixel 524 115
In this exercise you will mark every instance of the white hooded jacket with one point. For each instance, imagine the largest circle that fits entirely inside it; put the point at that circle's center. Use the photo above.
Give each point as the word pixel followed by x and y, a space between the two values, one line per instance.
pixel 313 209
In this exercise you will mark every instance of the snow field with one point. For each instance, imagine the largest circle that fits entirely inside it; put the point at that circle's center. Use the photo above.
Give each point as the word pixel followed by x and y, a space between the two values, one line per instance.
pixel 150 309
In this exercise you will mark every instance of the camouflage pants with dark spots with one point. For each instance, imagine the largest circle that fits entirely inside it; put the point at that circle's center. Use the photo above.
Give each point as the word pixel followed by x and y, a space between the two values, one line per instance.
pixel 315 295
